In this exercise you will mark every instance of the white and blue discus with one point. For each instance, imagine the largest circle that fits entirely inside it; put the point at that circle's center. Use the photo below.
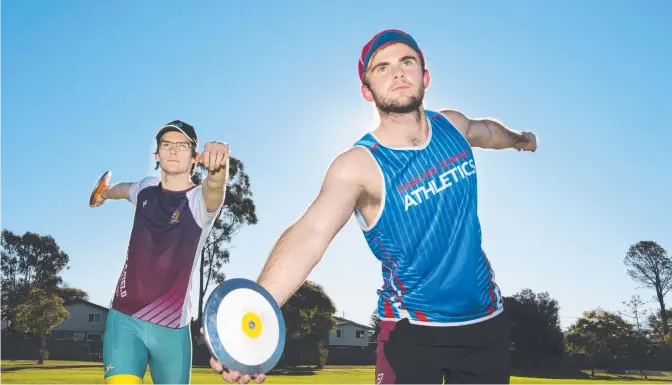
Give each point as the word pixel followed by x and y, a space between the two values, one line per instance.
pixel 243 327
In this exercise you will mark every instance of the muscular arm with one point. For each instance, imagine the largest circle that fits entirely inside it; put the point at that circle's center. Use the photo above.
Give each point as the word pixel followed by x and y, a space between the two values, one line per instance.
pixel 489 133
pixel 302 245
pixel 118 191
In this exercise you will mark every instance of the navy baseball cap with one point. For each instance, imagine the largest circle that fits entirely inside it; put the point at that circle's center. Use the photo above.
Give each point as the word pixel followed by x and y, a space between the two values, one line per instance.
pixel 384 38
pixel 178 125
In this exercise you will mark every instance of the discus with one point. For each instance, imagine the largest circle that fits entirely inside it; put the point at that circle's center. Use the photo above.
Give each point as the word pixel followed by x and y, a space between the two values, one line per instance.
pixel 243 327
pixel 100 186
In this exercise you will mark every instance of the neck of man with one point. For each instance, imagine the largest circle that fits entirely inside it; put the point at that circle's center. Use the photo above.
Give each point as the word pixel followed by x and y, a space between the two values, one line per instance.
pixel 176 182
pixel 404 129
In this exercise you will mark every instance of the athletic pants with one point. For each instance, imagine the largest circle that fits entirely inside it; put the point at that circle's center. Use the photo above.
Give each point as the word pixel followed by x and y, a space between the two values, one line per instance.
pixel 419 354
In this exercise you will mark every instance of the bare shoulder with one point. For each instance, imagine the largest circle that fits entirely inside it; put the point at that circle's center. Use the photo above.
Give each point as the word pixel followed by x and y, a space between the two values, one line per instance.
pixel 457 119
pixel 354 165
pixel 352 173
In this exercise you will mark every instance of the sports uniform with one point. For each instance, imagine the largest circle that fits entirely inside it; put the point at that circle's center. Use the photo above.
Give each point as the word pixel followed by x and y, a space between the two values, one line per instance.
pixel 439 304
pixel 150 314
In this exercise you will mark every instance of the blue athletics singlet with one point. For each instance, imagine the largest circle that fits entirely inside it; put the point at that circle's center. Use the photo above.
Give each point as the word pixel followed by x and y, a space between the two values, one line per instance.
pixel 428 235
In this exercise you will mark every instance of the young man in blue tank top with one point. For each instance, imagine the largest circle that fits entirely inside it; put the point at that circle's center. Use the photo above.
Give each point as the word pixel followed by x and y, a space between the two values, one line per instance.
pixel 412 184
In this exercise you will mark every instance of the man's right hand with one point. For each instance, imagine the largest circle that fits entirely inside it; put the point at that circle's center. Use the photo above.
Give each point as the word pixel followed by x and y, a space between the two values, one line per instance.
pixel 100 200
pixel 234 376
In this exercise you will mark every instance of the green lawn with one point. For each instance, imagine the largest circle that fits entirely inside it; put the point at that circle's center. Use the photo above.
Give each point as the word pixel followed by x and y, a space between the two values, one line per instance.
pixel 78 372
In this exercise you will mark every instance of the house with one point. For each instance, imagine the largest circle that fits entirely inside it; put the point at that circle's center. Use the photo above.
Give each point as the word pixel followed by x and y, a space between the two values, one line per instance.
pixel 85 323
pixel 349 333
pixel 348 344
pixel 78 337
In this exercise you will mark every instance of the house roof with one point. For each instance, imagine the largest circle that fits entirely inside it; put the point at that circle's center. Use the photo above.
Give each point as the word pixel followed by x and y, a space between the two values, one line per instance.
pixel 341 321
pixel 87 303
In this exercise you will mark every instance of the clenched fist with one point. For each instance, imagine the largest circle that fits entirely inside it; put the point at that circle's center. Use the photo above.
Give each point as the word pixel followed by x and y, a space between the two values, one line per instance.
pixel 530 143
pixel 215 155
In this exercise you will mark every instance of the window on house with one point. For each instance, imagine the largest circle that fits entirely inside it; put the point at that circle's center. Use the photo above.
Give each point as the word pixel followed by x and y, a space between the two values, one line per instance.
pixel 339 333
pixel 79 336
pixel 94 317
pixel 61 335
pixel 360 333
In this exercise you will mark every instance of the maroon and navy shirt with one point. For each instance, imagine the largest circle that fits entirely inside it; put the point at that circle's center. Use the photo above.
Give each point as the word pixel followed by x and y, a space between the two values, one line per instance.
pixel 169 231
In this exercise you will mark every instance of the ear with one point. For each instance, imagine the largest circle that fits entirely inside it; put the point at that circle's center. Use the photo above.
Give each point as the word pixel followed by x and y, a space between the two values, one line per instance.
pixel 156 157
pixel 196 158
pixel 366 93
pixel 426 78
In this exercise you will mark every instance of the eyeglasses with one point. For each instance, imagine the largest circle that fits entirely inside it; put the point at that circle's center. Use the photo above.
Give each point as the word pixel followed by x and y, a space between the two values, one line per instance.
pixel 181 146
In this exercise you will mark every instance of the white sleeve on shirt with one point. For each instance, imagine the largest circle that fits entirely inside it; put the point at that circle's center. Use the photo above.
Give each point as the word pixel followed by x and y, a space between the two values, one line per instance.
pixel 136 187
pixel 199 210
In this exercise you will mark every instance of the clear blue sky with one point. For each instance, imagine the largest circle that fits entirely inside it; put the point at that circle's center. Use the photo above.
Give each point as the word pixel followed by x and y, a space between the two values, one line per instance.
pixel 86 83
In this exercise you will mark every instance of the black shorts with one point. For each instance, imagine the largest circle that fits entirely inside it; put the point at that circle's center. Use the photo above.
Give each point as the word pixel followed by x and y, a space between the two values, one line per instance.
pixel 418 354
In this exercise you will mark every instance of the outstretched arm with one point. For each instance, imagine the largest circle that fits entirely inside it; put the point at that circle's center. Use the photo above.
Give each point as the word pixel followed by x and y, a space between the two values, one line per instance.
pixel 125 190
pixel 215 158
pixel 118 191
pixel 490 134
pixel 302 245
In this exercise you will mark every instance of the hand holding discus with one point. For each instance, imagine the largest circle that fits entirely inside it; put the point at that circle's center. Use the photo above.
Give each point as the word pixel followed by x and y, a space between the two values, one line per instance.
pixel 244 329
pixel 96 197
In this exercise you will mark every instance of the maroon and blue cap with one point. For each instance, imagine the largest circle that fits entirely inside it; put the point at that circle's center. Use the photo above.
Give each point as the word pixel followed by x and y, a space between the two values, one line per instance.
pixel 384 38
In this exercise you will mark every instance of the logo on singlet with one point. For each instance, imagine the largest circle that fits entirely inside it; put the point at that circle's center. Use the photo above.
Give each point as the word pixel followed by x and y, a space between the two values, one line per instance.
pixel 450 171
pixel 176 217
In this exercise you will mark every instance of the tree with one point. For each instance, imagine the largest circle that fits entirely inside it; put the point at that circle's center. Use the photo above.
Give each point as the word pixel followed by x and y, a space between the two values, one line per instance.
pixel 238 211
pixel 656 327
pixel 38 314
pixel 648 263
pixel 309 316
pixel 70 294
pixel 374 322
pixel 535 324
pixel 29 261
pixel 41 260
pixel 12 284
pixel 587 342
pixel 637 314
pixel 600 334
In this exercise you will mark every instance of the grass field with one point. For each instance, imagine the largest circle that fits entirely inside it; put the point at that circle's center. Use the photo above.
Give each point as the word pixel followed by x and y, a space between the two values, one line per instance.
pixel 77 372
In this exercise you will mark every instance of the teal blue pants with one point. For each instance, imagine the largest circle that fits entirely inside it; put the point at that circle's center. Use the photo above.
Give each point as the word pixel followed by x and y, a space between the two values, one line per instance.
pixel 130 344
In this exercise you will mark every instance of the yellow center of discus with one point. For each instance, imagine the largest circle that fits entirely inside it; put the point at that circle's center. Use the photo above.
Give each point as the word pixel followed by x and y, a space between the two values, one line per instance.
pixel 251 325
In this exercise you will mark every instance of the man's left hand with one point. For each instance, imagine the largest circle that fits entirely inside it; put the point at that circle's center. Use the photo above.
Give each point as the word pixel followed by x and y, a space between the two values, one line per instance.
pixel 530 143
pixel 233 376
pixel 215 155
